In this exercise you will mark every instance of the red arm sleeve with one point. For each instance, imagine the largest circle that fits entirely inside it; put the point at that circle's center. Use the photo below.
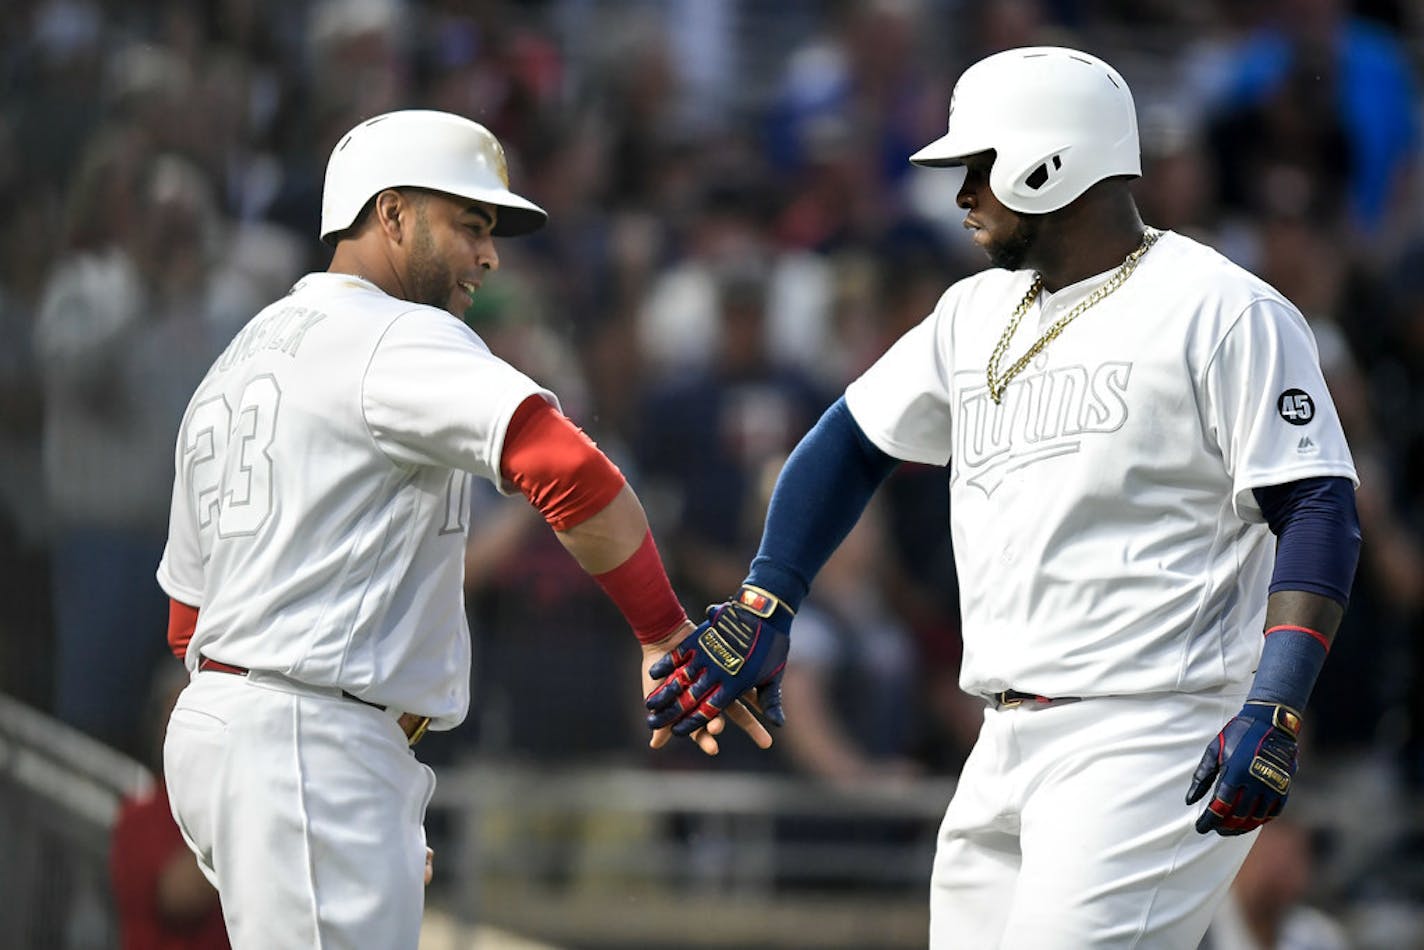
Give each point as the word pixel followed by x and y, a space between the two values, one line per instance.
pixel 566 477
pixel 640 588
pixel 556 466
pixel 182 620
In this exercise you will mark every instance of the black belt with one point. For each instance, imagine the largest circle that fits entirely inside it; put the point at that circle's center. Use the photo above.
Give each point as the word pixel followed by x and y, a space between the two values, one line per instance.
pixel 1009 698
pixel 412 725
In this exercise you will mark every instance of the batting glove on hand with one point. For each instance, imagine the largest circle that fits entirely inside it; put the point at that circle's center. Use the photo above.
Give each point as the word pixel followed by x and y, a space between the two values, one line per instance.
pixel 1255 755
pixel 742 645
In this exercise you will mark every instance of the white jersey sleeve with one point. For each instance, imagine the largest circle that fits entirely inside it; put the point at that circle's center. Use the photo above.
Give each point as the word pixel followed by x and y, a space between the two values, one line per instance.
pixel 1266 405
pixel 434 394
pixel 904 401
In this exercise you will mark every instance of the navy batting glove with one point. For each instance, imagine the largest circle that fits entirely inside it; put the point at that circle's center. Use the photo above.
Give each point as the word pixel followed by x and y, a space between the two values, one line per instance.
pixel 741 646
pixel 1255 755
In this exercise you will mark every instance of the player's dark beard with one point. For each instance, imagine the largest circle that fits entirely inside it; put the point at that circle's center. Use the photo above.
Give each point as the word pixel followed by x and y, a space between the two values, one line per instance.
pixel 1011 251
pixel 431 281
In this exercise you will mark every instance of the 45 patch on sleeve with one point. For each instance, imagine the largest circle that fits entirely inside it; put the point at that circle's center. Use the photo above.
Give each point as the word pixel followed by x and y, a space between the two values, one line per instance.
pixel 1296 407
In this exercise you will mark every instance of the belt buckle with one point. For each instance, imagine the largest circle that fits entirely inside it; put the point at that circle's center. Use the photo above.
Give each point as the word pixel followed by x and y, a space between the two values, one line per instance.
pixel 418 732
pixel 1009 702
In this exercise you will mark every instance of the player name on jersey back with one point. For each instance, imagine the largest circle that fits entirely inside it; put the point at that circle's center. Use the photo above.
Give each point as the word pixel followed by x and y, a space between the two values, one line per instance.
pixel 284 330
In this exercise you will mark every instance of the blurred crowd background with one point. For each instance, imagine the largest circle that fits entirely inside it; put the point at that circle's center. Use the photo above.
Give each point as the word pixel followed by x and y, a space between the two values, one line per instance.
pixel 735 233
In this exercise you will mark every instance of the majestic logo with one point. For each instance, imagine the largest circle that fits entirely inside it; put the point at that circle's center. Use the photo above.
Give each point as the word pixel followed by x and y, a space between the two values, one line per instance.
pixel 1296 407
pixel 1042 416
pixel 1305 446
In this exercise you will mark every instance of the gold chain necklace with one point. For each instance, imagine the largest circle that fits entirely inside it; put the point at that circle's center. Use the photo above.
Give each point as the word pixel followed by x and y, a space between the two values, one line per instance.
pixel 999 382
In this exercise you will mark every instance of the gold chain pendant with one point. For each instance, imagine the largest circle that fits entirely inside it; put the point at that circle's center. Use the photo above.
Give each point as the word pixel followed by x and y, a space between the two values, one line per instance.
pixel 999 382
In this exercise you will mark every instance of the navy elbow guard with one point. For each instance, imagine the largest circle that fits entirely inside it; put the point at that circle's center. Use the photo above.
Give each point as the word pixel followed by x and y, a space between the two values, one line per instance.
pixel 1317 535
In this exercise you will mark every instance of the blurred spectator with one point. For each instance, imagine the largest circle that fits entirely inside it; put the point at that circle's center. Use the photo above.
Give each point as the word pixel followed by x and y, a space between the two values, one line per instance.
pixel 27 236
pixel 642 84
pixel 535 618
pixel 163 899
pixel 59 64
pixel 679 320
pixel 126 328
pixel 1301 259
pixel 357 59
pixel 1269 905
pixel 709 438
pixel 851 107
pixel 359 54
pixel 1286 150
pixel 1343 89
pixel 857 83
pixel 1010 24
pixel 1177 191
pixel 850 643
pixel 1397 385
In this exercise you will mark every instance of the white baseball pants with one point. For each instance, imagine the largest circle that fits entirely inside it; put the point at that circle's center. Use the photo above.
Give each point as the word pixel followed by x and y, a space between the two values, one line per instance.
pixel 306 811
pixel 1069 829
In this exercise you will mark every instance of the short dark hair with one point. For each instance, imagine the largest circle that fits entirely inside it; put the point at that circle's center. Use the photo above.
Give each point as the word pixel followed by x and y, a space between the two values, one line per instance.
pixel 416 195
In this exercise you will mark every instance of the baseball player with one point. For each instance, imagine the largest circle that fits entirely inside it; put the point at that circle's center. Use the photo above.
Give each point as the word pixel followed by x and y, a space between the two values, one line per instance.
pixel 315 550
pixel 1152 512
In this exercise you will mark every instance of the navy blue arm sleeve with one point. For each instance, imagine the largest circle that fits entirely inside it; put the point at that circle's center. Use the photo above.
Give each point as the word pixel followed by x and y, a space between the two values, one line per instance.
pixel 819 496
pixel 1317 535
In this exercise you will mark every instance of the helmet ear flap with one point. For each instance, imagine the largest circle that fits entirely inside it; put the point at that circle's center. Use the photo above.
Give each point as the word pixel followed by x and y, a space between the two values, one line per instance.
pixel 1025 185
pixel 1037 178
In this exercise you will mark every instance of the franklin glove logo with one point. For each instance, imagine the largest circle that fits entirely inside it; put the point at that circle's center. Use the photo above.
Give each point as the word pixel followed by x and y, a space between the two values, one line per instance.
pixel 720 652
pixel 1272 769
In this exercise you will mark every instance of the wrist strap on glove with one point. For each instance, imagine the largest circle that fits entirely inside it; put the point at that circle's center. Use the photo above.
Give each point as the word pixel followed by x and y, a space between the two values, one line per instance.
pixel 1273 763
pixel 731 634
pixel 1283 717
pixel 765 605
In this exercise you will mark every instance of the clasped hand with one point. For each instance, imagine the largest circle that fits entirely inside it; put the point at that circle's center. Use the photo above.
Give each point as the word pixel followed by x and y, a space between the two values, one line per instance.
pixel 739 649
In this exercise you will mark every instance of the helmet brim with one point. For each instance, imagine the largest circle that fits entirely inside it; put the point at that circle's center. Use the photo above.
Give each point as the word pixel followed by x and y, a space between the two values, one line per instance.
pixel 947 151
pixel 936 155
pixel 517 216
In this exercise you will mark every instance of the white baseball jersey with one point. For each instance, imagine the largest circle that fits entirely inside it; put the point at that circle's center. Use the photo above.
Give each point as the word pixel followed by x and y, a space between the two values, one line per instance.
pixel 1105 533
pixel 321 502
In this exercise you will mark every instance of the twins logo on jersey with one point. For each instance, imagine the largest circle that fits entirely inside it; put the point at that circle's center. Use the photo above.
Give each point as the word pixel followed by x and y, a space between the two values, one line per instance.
pixel 1043 416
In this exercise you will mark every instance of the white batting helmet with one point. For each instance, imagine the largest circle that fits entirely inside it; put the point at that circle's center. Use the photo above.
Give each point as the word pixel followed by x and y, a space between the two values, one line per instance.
pixel 1058 120
pixel 421 149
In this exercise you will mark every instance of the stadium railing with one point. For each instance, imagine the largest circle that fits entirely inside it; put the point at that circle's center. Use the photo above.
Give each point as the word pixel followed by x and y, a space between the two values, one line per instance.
pixel 59 795
pixel 622 857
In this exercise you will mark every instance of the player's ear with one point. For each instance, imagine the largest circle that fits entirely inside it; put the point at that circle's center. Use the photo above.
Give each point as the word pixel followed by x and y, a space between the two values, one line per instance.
pixel 392 212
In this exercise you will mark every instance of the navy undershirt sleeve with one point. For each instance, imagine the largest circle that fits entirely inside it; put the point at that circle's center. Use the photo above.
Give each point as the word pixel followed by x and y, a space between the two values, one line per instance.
pixel 1317 535
pixel 819 496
